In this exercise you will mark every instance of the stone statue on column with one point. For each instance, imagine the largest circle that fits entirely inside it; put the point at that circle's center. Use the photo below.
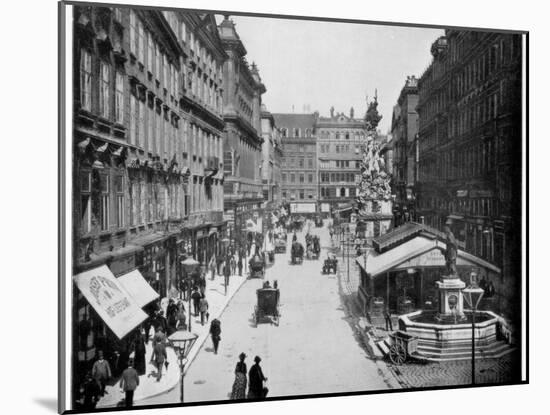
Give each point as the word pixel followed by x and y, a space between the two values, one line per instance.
pixel 450 253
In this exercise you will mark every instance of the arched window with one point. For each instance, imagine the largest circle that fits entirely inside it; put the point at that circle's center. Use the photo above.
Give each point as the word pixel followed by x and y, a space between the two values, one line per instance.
pixel 343 192
pixel 308 132
pixel 284 132
pixel 296 132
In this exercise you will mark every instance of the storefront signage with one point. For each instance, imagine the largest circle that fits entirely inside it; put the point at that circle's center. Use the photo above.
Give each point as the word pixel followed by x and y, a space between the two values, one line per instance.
pixel 325 207
pixel 302 207
pixel 110 300
pixel 461 193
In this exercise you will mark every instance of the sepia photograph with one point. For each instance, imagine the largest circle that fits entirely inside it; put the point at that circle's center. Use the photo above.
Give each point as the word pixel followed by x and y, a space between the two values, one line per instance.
pixel 277 206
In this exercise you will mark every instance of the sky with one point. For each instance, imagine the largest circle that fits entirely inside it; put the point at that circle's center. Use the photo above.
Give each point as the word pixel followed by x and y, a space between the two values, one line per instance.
pixel 324 64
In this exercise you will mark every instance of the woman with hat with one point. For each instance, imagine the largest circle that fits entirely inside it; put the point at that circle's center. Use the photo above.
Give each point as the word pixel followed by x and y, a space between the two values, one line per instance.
pixel 256 380
pixel 239 385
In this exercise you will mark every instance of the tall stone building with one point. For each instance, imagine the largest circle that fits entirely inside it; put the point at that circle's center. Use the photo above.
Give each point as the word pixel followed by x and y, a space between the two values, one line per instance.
pixel 404 129
pixel 299 184
pixel 470 150
pixel 272 153
pixel 147 154
pixel 340 144
pixel 242 99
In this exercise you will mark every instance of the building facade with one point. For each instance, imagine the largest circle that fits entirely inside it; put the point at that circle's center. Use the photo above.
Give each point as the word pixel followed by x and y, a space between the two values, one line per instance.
pixel 242 99
pixel 470 149
pixel 299 173
pixel 404 130
pixel 340 144
pixel 271 157
pixel 147 155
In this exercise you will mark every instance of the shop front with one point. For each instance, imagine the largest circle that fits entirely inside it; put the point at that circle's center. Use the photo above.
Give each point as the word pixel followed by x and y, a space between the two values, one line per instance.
pixel 106 311
pixel 401 270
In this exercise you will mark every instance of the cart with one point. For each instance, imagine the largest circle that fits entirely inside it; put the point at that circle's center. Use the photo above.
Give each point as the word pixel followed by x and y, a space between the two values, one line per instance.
pixel 267 306
pixel 403 346
pixel 257 266
pixel 296 253
pixel 330 266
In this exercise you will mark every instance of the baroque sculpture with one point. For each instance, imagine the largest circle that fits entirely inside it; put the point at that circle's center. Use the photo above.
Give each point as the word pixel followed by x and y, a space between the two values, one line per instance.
pixel 375 179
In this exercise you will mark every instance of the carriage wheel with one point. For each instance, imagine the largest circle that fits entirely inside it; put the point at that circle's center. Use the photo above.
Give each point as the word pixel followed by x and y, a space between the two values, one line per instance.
pixel 398 354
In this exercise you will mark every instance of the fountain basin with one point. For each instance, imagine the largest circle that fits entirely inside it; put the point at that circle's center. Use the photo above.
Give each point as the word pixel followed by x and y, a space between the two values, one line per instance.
pixel 439 340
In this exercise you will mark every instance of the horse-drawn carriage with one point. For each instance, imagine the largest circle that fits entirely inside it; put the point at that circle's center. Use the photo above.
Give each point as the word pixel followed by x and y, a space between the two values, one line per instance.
pixel 313 246
pixel 256 266
pixel 296 253
pixel 268 305
pixel 330 265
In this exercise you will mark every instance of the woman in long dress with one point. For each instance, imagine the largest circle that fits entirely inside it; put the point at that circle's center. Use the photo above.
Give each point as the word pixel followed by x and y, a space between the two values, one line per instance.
pixel 239 385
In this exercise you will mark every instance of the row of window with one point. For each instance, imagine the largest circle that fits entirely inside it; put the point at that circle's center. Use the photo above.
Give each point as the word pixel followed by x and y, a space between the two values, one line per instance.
pixel 148 53
pixel 298 195
pixel 341 148
pixel 297 162
pixel 344 164
pixel 342 135
pixel 472 75
pixel 482 206
pixel 296 132
pixel 104 201
pixel 292 178
pixel 474 161
pixel 331 192
pixel 339 177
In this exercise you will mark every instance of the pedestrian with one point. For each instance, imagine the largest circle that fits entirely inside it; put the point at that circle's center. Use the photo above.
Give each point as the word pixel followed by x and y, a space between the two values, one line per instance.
pixel 158 358
pixel 160 321
pixel 196 297
pixel 184 286
pixel 171 319
pixel 256 379
pixel 215 331
pixel 240 266
pixel 90 392
pixel 233 265
pixel 139 353
pixel 226 273
pixel 212 267
pixel 101 372
pixel 203 307
pixel 387 318
pixel 159 337
pixel 181 317
pixel 239 385
pixel 202 284
pixel 129 382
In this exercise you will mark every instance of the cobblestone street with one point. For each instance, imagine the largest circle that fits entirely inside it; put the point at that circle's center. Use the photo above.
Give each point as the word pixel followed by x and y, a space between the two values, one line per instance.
pixel 422 375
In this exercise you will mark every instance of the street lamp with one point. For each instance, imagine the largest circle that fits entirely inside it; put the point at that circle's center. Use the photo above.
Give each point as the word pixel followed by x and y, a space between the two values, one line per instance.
pixel 472 294
pixel 182 341
pixel 189 265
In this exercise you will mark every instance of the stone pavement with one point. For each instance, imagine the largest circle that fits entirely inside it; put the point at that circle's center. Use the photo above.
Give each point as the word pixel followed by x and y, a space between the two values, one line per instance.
pixel 415 374
pixel 348 285
pixel 149 387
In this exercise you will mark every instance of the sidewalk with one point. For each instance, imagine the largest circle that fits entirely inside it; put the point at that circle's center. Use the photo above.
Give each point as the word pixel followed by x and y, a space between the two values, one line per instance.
pixel 148 386
pixel 348 285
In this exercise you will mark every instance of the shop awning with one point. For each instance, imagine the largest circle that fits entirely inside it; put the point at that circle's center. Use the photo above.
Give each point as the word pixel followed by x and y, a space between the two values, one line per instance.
pixel 134 283
pixel 420 252
pixel 118 309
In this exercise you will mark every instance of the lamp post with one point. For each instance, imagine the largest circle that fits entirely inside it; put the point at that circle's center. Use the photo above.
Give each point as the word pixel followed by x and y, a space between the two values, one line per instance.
pixel 472 294
pixel 182 341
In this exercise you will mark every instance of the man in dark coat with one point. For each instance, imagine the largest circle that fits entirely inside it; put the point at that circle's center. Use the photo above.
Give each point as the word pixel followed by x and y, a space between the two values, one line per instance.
pixel 196 297
pixel 226 273
pixel 158 358
pixel 215 332
pixel 90 392
pixel 129 382
pixel 256 380
pixel 171 312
